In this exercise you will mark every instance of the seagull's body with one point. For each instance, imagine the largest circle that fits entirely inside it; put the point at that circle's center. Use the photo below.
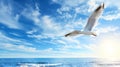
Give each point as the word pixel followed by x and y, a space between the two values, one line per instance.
pixel 90 24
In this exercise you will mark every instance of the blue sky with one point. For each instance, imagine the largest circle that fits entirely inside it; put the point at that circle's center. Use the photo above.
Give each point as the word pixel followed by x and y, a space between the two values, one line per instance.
pixel 36 28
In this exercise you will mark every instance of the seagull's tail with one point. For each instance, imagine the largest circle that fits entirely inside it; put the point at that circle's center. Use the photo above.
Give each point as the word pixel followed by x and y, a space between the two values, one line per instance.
pixel 94 34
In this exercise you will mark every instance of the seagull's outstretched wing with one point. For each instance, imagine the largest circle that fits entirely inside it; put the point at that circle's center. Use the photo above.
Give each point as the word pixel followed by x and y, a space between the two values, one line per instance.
pixel 76 32
pixel 93 18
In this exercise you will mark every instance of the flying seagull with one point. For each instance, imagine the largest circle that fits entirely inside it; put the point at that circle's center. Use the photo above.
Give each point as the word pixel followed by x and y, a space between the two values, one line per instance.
pixel 90 24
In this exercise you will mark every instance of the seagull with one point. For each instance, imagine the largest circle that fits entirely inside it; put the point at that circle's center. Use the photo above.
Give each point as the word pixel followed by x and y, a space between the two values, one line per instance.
pixel 90 24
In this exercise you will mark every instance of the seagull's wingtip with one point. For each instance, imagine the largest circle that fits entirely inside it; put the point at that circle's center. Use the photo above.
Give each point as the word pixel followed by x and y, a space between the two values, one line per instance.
pixel 66 35
pixel 103 4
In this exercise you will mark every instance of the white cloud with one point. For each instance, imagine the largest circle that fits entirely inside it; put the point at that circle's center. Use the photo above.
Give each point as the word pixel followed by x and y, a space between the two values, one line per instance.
pixel 92 5
pixel 48 53
pixel 63 9
pixel 7 46
pixel 6 16
pixel 49 28
pixel 15 34
pixel 49 24
pixel 32 14
pixel 46 23
pixel 67 43
pixel 108 29
pixel 17 45
pixel 77 2
pixel 77 6
pixel 4 38
pixel 69 2
pixel 23 48
pixel 31 31
pixel 110 3
pixel 111 17
pixel 69 47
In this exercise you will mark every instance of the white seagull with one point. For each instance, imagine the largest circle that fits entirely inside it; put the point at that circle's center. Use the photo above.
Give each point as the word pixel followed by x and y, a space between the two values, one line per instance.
pixel 90 24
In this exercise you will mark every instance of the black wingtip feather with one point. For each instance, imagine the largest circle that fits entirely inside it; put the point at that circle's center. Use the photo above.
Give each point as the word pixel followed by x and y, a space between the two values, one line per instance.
pixel 98 8
pixel 67 35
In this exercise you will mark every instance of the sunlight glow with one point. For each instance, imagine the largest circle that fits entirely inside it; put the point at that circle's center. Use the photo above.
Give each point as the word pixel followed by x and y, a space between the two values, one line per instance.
pixel 109 48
